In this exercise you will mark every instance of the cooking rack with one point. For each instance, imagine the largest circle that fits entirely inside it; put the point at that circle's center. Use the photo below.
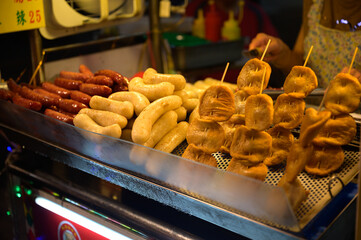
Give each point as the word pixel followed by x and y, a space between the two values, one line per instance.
pixel 322 189
pixel 243 205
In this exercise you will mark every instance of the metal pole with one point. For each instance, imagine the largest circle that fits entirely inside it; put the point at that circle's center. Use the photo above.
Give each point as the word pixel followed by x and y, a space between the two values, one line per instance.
pixel 156 34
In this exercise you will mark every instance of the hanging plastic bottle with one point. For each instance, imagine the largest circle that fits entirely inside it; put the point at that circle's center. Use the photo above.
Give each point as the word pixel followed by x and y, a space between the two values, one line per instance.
pixel 199 25
pixel 213 23
pixel 230 29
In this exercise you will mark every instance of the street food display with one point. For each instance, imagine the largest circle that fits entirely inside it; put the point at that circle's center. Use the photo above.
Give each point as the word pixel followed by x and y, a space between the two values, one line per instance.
pixel 238 121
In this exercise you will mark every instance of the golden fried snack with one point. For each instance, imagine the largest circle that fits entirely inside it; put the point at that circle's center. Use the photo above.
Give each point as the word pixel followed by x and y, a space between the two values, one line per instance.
pixel 282 139
pixel 294 190
pixel 288 111
pixel 343 94
pixel 250 145
pixel 312 123
pixel 339 130
pixel 296 160
pixel 250 77
pixel 240 98
pixel 325 160
pixel 300 82
pixel 258 171
pixel 259 112
pixel 205 134
pixel 216 103
pixel 229 128
pixel 195 153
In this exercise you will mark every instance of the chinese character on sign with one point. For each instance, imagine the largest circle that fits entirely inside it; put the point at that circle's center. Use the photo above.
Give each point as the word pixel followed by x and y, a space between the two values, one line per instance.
pixel 20 17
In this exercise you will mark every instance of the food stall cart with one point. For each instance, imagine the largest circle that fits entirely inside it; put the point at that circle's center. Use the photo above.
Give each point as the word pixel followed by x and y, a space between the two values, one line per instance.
pixel 69 183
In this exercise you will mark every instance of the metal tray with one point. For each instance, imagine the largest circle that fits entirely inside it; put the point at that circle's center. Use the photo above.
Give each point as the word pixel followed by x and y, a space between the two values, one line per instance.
pixel 243 205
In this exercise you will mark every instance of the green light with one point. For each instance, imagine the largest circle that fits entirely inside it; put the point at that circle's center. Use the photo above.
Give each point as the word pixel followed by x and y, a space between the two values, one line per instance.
pixel 18 195
pixel 56 194
pixel 17 188
pixel 8 213
pixel 29 192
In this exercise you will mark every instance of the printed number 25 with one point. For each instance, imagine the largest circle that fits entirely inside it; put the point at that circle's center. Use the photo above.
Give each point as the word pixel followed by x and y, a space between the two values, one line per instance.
pixel 35 17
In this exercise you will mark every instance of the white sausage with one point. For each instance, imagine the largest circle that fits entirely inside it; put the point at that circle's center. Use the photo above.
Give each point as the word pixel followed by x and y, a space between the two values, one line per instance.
pixel 85 122
pixel 144 122
pixel 151 91
pixel 173 138
pixel 125 108
pixel 138 100
pixel 105 118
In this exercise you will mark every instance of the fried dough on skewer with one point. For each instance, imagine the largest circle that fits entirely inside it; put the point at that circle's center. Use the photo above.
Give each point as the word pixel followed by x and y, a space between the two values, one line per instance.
pixel 197 154
pixel 240 98
pixel 312 123
pixel 258 171
pixel 251 145
pixel 259 112
pixel 229 128
pixel 300 82
pixel 343 94
pixel 282 140
pixel 206 134
pixel 339 130
pixel 288 111
pixel 294 190
pixel 325 160
pixel 251 74
pixel 216 104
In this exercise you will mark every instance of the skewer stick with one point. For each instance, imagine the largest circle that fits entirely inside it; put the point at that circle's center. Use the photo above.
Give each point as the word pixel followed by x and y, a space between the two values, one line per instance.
pixel 263 77
pixel 32 82
pixel 265 50
pixel 353 59
pixel 308 55
pixel 323 100
pixel 224 73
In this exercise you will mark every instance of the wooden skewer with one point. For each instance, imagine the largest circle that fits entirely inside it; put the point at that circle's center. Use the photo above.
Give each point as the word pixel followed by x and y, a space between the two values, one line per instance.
pixel 32 82
pixel 265 50
pixel 353 59
pixel 323 100
pixel 263 77
pixel 308 55
pixel 224 73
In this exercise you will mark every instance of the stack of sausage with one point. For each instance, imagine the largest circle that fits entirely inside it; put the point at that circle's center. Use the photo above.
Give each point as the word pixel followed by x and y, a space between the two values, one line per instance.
pixel 69 93
pixel 152 111
pixel 342 98
pixel 205 135
pixel 250 144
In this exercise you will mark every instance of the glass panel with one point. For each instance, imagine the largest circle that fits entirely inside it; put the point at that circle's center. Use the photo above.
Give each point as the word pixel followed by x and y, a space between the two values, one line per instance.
pixel 231 192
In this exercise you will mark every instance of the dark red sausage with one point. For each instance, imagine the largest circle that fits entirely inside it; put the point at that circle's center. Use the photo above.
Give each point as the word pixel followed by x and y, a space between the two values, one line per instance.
pixel 58 115
pixel 27 103
pixel 80 97
pixel 71 106
pixel 94 89
pixel 62 92
pixel 6 94
pixel 68 83
pixel 45 100
pixel 43 91
pixel 74 75
pixel 27 85
pixel 13 86
pixel 116 77
pixel 100 80
pixel 84 69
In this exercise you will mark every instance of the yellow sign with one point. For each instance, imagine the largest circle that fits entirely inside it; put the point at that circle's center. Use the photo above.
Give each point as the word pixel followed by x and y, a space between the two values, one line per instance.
pixel 19 15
